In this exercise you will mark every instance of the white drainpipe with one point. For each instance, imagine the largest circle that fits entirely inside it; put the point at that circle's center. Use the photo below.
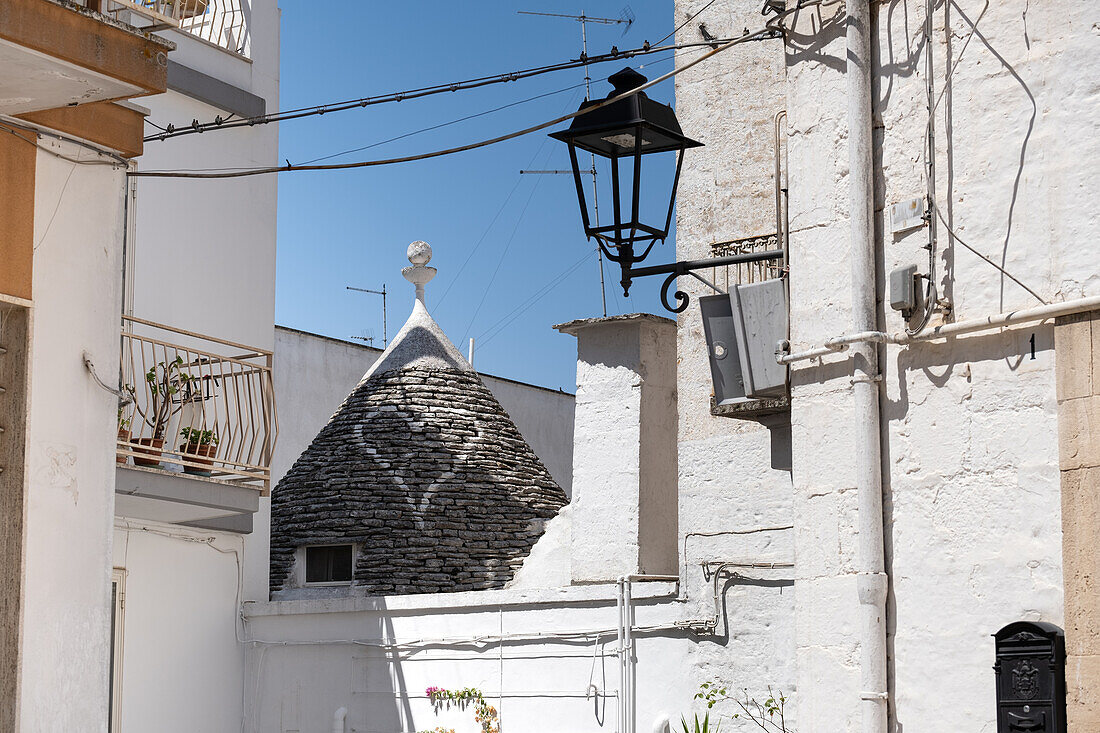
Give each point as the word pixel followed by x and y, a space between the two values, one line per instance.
pixel 871 579
pixel 338 720
pixel 626 657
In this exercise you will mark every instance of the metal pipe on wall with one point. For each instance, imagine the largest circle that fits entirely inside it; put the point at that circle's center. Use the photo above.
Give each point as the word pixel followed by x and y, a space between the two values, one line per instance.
pixel 871 579
pixel 959 328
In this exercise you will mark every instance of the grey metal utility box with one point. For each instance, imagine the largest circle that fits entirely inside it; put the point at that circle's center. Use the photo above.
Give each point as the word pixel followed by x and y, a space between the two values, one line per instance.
pixel 742 330
pixel 760 317
pixel 903 289
pixel 725 366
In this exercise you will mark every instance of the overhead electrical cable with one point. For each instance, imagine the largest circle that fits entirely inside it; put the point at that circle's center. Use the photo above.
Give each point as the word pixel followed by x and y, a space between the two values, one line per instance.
pixel 195 127
pixel 447 124
pixel 519 179
pixel 988 261
pixel 691 17
pixel 762 33
pixel 495 329
pixel 500 261
pixel 115 160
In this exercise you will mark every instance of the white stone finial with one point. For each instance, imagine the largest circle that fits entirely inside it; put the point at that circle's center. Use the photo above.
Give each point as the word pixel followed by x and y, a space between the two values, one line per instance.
pixel 419 254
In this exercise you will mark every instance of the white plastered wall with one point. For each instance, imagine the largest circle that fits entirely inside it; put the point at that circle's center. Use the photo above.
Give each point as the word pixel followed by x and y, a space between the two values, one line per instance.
pixel 70 442
pixel 182 591
pixel 734 507
pixel 970 434
pixel 204 251
pixel 204 261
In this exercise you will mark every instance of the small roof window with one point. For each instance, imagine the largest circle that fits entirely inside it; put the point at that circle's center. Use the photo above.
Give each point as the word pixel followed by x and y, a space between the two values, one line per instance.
pixel 328 564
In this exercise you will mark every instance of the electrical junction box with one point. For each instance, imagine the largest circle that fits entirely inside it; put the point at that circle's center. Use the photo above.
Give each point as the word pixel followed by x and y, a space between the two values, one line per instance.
pixel 742 330
pixel 903 289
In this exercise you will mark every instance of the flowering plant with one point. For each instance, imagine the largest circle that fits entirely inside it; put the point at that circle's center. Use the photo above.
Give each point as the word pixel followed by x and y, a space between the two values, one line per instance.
pixel 485 714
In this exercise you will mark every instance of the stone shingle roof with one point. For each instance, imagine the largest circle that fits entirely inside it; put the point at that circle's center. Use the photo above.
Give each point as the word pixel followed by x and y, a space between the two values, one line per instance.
pixel 424 471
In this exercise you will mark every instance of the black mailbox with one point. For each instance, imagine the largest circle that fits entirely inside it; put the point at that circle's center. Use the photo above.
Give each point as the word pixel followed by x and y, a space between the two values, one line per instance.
pixel 1031 678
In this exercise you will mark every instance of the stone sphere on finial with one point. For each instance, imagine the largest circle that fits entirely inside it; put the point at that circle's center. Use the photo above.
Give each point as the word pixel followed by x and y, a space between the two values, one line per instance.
pixel 419 253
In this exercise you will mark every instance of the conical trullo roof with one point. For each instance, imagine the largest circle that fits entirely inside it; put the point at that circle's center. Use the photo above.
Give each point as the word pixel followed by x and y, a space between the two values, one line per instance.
pixel 421 470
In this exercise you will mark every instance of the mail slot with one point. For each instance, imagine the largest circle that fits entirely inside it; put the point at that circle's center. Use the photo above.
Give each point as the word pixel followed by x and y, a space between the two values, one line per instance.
pixel 1031 678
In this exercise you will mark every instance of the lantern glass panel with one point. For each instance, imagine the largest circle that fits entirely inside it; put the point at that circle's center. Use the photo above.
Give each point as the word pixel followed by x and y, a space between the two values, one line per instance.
pixel 655 194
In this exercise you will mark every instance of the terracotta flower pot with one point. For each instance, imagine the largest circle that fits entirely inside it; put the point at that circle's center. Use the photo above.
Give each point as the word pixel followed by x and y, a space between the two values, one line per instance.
pixel 201 454
pixel 150 446
pixel 123 437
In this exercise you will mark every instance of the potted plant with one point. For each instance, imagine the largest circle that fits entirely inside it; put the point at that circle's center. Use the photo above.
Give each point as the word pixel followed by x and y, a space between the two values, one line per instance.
pixel 199 447
pixel 165 380
pixel 123 432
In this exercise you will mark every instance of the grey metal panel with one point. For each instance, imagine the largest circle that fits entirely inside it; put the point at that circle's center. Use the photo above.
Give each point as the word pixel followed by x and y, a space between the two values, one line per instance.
pixel 725 367
pixel 215 92
pixel 759 312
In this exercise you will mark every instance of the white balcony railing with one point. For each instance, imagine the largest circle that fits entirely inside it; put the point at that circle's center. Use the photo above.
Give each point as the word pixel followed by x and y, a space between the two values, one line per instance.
pixel 201 405
pixel 223 23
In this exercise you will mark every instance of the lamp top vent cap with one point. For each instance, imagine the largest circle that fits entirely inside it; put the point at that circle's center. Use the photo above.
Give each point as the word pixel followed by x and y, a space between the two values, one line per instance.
pixel 633 124
pixel 625 80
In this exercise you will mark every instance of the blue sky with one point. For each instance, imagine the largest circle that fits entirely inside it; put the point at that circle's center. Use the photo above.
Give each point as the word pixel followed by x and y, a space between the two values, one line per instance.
pixel 501 239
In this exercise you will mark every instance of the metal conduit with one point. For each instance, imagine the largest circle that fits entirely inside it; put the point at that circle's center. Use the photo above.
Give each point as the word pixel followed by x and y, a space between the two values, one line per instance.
pixel 971 325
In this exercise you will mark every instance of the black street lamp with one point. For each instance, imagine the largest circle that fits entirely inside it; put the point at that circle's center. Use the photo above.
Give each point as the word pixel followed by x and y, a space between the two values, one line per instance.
pixel 629 128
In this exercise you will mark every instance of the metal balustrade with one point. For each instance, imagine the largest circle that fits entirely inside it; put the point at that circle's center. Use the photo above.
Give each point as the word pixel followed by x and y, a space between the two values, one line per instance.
pixel 201 405
pixel 223 23
pixel 747 272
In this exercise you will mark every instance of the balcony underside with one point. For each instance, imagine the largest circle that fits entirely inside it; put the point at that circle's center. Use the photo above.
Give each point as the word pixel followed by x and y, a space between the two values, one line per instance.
pixel 83 58
pixel 188 500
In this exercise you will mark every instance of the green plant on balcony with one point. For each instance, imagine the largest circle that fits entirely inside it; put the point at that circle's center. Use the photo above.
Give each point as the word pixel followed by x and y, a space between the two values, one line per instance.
pixel 199 447
pixel 164 382
pixel 123 431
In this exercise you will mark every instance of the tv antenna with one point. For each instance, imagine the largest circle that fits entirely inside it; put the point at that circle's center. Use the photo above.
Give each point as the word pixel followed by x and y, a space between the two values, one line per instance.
pixel 382 292
pixel 626 18
pixel 367 337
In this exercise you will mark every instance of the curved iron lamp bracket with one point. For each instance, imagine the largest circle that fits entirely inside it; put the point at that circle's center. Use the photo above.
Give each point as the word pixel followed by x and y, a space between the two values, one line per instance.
pixel 688 267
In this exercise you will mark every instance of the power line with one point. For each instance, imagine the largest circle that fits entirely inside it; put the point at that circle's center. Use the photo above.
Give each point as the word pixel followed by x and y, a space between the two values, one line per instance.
pixel 195 126
pixel 497 328
pixel 496 216
pixel 503 255
pixel 692 17
pixel 447 124
pixel 763 33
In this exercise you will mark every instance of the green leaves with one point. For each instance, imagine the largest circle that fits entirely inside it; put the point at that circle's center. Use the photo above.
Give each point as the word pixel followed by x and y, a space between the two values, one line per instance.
pixel 701 726
pixel 767 715
pixel 197 436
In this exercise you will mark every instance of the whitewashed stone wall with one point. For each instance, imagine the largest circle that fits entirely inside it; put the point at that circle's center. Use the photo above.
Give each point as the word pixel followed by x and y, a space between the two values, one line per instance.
pixel 733 506
pixel 970 435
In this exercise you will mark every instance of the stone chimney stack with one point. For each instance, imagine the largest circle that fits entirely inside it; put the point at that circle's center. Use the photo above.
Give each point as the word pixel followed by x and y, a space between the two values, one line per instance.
pixel 624 449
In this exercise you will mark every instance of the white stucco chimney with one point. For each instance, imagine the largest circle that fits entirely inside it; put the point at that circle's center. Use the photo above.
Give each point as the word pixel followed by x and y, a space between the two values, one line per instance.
pixel 624 448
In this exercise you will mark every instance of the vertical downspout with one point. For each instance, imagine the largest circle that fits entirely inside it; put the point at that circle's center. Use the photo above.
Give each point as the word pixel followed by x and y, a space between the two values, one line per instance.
pixel 871 571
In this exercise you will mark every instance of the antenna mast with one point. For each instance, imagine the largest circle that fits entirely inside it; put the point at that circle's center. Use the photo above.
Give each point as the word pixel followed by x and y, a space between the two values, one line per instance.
pixel 584 20
pixel 382 292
